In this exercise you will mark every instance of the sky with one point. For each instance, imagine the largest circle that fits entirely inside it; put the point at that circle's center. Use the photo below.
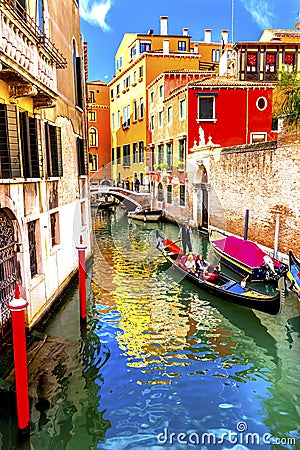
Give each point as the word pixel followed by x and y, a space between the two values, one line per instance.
pixel 104 23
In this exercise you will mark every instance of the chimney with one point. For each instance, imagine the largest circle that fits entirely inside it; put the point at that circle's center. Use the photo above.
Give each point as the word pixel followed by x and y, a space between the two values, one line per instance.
pixel 196 47
pixel 166 47
pixel 224 34
pixel 163 25
pixel 207 36
pixel 185 31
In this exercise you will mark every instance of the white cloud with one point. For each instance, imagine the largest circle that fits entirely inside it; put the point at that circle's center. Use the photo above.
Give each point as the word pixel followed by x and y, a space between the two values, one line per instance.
pixel 260 11
pixel 96 12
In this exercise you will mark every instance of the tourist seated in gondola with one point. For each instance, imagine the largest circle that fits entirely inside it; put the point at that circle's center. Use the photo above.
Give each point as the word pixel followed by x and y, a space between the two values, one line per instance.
pixel 190 263
pixel 201 265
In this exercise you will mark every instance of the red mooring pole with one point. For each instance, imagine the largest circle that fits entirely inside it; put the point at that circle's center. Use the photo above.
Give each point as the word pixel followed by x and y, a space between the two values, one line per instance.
pixel 82 277
pixel 17 307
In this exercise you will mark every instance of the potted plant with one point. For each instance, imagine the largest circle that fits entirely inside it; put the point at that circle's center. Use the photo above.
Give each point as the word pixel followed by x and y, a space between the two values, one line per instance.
pixel 156 167
pixel 179 165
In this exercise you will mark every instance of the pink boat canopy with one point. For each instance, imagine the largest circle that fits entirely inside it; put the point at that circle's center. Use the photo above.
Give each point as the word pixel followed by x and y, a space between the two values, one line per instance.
pixel 246 252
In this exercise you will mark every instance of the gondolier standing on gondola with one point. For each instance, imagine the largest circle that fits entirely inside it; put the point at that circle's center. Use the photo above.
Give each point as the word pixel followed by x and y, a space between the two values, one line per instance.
pixel 185 236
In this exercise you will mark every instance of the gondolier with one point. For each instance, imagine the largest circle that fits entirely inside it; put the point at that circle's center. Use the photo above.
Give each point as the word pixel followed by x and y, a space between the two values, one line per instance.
pixel 185 235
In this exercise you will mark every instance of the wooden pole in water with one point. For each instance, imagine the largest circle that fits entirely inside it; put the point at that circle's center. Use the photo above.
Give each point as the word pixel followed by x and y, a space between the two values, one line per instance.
pixel 246 224
pixel 17 307
pixel 277 228
pixel 82 277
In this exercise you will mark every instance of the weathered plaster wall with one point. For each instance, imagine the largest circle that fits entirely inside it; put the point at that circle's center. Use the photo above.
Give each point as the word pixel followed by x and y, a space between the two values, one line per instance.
pixel 264 179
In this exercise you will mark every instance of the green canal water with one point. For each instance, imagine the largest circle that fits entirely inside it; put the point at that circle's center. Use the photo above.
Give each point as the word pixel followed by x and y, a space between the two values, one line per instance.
pixel 160 365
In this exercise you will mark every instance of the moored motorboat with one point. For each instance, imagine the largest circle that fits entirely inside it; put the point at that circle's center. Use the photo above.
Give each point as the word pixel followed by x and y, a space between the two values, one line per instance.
pixel 145 214
pixel 214 281
pixel 247 259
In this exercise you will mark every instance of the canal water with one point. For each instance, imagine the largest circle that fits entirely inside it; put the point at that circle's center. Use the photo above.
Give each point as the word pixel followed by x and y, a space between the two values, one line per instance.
pixel 160 365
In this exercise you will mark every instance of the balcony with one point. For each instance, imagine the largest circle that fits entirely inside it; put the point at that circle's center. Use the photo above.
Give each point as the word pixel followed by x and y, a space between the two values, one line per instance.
pixel 28 59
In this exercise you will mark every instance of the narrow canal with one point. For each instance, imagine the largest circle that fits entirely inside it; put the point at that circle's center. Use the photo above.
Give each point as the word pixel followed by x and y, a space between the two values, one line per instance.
pixel 160 364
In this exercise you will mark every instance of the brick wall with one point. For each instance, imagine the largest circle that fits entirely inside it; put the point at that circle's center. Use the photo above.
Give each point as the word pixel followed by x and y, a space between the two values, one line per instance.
pixel 264 178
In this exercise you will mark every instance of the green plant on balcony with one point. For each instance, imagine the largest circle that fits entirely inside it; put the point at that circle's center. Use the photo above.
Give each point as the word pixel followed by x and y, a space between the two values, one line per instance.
pixel 179 165
pixel 156 167
pixel 164 166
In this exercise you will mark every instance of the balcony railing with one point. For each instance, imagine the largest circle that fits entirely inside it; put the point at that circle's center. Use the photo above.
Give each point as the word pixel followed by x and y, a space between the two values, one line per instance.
pixel 28 25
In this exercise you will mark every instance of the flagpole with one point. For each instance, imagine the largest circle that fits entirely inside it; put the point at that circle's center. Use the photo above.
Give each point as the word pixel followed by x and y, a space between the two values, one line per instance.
pixel 232 19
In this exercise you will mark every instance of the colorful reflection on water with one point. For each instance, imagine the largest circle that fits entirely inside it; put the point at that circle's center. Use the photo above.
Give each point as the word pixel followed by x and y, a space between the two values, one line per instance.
pixel 163 365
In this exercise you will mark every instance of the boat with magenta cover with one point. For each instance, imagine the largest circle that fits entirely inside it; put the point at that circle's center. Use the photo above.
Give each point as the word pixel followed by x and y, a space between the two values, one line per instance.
pixel 214 281
pixel 294 272
pixel 247 259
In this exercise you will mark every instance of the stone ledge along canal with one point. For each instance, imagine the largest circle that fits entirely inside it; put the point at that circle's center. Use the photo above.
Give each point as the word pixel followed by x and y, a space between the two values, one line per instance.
pixel 160 364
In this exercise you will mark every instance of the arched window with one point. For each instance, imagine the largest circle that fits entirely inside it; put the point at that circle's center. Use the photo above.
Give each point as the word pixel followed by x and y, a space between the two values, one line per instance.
pixel 93 137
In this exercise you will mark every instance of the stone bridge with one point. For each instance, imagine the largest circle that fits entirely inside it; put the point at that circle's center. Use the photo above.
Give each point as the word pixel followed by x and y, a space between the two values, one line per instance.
pixel 129 198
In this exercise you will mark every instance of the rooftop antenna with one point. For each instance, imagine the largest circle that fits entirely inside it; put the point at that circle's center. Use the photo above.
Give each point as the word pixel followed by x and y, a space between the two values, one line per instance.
pixel 232 19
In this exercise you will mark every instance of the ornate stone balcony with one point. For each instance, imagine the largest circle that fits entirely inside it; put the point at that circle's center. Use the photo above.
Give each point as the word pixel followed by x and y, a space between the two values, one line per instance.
pixel 28 59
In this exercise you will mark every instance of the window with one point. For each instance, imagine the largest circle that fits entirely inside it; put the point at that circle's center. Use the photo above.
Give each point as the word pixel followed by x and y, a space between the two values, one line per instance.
pixel 31 228
pixel 215 57
pixel 113 156
pixel 135 111
pixel 169 155
pixel 169 114
pixel 152 97
pixel 169 194
pixel 126 117
pixel 261 103
pixel 182 195
pixel 288 62
pixel 121 62
pixel 92 116
pixel 134 76
pixel 206 108
pixel 251 62
pixel 77 77
pixel 118 119
pixel 160 193
pixel 141 108
pixel 135 152
pixel 54 226
pixel 182 108
pixel 93 162
pixel 111 93
pixel 160 118
pixel 81 156
pixel 152 123
pixel 93 137
pixel 161 91
pixel 127 82
pixel 141 151
pixel 31 146
pixel 91 97
pixel 40 14
pixel 145 46
pixel 126 155
pixel 10 161
pixel 160 154
pixel 118 89
pixel 113 121
pixel 181 46
pixel 53 150
pixel 141 72
pixel 118 154
pixel 181 150
pixel 132 52
pixel 258 137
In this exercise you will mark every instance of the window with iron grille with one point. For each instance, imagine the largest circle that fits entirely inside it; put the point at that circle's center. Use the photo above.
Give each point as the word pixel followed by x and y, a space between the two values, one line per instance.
pixel 82 156
pixel 31 146
pixel 10 160
pixel 31 226
pixel 206 108
pixel 53 150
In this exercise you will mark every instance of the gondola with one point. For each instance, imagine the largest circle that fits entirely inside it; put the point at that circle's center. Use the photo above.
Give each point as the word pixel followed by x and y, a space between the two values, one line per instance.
pixel 294 272
pixel 145 214
pixel 247 259
pixel 219 284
